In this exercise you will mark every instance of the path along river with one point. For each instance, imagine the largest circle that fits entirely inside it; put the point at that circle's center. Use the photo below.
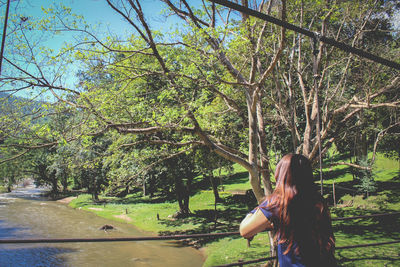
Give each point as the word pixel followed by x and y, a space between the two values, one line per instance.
pixel 24 214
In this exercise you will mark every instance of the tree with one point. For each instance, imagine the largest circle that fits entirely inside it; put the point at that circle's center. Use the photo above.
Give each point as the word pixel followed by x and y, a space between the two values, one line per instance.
pixel 176 108
pixel 11 173
pixel 226 72
pixel 345 91
pixel 366 183
pixel 206 163
pixel 59 165
pixel 87 163
pixel 153 168
pixel 39 167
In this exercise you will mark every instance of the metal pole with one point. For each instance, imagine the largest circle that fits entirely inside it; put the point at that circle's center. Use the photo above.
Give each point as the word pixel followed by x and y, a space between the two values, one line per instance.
pixel 334 193
pixel 316 40
pixel 114 239
pixel 3 41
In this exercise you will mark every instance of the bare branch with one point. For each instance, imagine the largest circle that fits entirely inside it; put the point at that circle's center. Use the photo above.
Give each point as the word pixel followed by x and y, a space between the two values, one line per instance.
pixel 380 135
pixel 350 164
pixel 14 157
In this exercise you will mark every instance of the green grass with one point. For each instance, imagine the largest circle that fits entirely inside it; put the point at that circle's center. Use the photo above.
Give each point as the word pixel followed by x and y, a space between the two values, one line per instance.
pixel 233 249
pixel 384 168
pixel 142 212
pixel 372 230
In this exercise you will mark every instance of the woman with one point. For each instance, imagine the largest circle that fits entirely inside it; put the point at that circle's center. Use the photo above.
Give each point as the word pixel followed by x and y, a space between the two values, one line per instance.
pixel 298 214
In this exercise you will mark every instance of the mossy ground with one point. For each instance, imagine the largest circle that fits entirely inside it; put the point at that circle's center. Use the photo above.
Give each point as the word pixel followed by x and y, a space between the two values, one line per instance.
pixel 153 215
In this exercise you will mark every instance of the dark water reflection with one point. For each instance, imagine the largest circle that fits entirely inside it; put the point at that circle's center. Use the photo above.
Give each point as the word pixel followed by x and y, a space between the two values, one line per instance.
pixel 9 232
pixel 23 214
pixel 34 256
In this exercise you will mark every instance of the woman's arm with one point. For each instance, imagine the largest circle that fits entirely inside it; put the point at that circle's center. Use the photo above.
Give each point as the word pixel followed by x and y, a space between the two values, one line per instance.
pixel 254 223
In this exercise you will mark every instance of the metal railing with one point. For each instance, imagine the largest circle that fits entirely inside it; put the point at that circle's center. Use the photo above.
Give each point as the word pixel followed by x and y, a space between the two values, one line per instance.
pixel 160 238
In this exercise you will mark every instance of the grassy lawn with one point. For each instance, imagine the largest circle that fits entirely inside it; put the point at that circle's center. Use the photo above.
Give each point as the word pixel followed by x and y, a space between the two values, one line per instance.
pixel 154 216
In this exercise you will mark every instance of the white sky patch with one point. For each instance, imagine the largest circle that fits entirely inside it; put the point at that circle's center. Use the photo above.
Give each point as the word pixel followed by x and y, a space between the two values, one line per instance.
pixel 396 20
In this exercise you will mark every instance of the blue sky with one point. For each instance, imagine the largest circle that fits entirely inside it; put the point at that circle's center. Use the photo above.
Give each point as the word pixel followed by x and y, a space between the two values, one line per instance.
pixel 93 11
pixel 96 11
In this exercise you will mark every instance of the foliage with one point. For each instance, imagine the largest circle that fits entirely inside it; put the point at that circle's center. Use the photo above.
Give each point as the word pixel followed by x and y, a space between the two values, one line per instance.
pixel 366 178
pixel 11 173
pixel 38 167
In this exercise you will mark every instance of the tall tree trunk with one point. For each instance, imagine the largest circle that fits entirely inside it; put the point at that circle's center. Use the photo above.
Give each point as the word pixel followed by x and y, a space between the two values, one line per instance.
pixel 182 195
pixel 254 174
pixel 264 157
pixel 10 183
pixel 186 199
pixel 65 183
pixel 144 186
pixel 54 185
pixel 361 141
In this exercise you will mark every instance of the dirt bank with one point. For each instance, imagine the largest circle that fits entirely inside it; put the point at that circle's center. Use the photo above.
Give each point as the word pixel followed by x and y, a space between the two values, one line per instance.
pixel 66 200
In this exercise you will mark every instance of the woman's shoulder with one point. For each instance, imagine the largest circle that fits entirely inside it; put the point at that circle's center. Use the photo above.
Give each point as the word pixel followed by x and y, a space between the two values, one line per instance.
pixel 268 208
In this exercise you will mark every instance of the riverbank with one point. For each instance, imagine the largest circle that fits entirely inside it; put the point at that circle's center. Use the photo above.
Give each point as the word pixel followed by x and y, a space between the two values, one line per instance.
pixel 66 200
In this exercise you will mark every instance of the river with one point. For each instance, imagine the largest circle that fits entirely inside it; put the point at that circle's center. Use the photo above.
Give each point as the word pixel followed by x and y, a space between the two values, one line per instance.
pixel 24 214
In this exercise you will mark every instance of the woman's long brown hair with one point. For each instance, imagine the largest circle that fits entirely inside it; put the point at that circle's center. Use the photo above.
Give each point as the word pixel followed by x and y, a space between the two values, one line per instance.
pixel 303 215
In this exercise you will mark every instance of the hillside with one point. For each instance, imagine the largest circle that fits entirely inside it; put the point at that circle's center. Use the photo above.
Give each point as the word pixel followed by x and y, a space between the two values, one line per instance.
pixel 11 104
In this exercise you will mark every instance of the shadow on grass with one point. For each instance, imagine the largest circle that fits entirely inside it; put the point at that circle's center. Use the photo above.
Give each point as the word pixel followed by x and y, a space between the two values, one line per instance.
pixel 138 199
pixel 347 261
pixel 209 221
pixel 201 183
pixel 371 228
pixel 390 187
pixel 333 174
pixel 340 157
pixel 341 189
pixel 237 178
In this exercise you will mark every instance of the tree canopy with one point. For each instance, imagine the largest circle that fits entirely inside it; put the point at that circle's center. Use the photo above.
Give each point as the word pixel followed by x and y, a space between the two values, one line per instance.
pixel 222 82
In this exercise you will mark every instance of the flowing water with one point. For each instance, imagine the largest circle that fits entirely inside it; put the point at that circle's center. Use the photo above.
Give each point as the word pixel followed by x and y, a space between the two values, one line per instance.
pixel 24 214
